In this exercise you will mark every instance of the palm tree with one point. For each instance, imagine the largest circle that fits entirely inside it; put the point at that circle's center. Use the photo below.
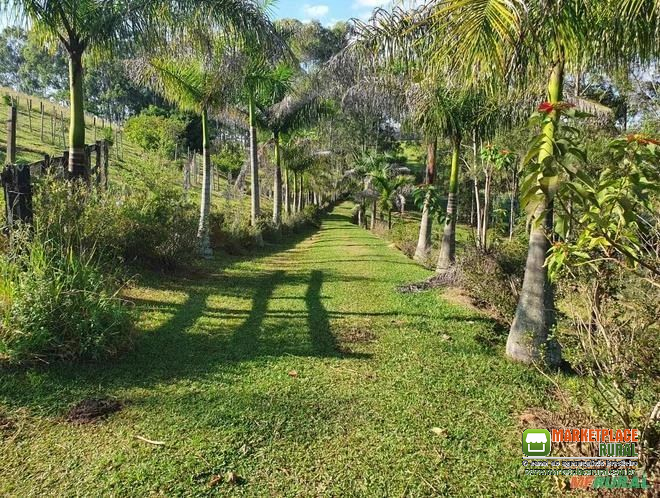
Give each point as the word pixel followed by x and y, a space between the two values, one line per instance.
pixel 103 25
pixel 286 106
pixel 458 114
pixel 365 166
pixel 490 39
pixel 198 85
pixel 388 183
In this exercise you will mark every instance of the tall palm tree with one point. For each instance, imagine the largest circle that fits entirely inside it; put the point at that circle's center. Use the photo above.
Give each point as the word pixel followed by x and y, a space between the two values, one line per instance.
pixel 104 25
pixel 198 85
pixel 457 113
pixel 490 41
pixel 289 103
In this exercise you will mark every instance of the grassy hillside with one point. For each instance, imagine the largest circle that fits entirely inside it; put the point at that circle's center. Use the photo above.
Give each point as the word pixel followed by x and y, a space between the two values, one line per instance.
pixel 127 162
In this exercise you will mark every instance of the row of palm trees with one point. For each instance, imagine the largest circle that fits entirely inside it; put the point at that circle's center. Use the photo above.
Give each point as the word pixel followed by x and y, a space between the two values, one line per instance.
pixel 476 64
pixel 215 58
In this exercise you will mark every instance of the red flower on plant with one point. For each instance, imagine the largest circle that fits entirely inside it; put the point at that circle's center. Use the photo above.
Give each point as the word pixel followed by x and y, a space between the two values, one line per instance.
pixel 557 106
pixel 546 107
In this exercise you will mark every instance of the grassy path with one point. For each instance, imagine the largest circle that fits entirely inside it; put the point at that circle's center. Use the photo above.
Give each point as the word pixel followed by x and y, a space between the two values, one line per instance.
pixel 302 371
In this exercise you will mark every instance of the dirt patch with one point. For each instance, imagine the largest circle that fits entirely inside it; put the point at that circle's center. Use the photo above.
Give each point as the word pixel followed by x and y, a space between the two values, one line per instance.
pixel 6 424
pixel 456 295
pixel 356 335
pixel 445 279
pixel 92 410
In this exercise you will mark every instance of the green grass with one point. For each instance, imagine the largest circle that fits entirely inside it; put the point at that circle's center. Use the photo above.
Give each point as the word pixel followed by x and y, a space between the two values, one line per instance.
pixel 209 376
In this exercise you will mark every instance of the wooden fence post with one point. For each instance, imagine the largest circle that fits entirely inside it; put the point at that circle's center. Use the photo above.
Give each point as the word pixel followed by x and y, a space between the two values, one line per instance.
pixel 16 179
pixel 41 107
pixel 18 193
pixel 62 128
pixel 11 135
pixel 186 178
pixel 52 126
pixel 98 164
pixel 104 166
pixel 94 121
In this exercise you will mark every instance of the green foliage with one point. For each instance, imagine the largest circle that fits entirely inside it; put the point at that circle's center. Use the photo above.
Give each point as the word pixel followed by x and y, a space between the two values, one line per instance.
pixel 57 303
pixel 229 157
pixel 543 179
pixel 435 205
pixel 614 211
pixel 155 133
pixel 147 225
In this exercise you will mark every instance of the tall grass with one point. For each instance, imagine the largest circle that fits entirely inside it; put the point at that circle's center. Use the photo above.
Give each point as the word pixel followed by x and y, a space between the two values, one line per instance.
pixel 57 303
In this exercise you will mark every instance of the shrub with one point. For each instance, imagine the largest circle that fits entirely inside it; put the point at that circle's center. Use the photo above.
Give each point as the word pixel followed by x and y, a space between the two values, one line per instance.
pixel 494 280
pixel 405 237
pixel 57 304
pixel 147 225
pixel 155 132
pixel 311 215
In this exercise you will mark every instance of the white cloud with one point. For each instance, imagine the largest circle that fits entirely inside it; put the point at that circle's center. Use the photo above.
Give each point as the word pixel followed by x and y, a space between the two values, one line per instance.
pixel 316 11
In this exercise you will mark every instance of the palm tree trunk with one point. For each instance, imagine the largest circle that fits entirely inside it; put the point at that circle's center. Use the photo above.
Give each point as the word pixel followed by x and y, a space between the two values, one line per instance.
pixel 535 314
pixel 447 255
pixel 77 156
pixel 389 219
pixel 477 201
pixel 277 183
pixel 286 192
pixel 484 223
pixel 426 224
pixel 294 202
pixel 205 204
pixel 254 167
pixel 512 207
pixel 373 215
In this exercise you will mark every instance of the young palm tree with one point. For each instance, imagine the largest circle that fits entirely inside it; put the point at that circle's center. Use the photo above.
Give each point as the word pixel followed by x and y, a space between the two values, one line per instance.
pixel 197 85
pixel 387 184
pixel 458 114
pixel 103 25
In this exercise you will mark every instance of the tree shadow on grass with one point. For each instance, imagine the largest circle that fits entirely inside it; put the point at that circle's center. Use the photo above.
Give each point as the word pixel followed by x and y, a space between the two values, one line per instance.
pixel 197 339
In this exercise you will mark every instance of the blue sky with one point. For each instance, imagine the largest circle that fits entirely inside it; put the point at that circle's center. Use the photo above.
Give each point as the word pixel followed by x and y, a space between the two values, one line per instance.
pixel 327 12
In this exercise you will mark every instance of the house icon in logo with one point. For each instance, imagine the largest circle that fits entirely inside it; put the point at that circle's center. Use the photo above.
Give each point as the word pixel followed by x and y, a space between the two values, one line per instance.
pixel 536 442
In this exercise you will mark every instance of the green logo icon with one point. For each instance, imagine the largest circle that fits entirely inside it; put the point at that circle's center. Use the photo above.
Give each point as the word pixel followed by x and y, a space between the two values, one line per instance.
pixel 536 442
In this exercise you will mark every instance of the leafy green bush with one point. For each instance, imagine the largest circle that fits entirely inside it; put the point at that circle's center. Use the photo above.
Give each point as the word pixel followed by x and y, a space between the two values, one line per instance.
pixel 311 215
pixel 148 225
pixel 57 304
pixel 232 232
pixel 155 132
